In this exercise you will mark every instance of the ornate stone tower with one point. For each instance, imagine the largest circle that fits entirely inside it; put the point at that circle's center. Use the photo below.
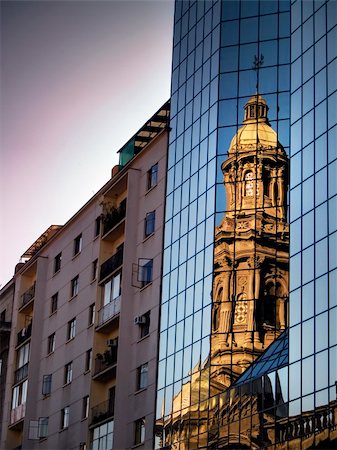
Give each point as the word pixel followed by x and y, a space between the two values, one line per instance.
pixel 251 255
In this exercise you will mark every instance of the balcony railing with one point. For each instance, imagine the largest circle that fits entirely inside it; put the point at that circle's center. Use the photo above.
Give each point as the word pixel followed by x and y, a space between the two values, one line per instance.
pixel 103 411
pixel 111 264
pixel 108 311
pixel 24 334
pixel 21 373
pixel 111 219
pixel 5 327
pixel 18 413
pixel 105 362
pixel 28 296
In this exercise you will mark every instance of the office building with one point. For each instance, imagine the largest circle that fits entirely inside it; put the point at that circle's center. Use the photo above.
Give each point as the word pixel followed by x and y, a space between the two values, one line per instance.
pixel 82 357
pixel 240 366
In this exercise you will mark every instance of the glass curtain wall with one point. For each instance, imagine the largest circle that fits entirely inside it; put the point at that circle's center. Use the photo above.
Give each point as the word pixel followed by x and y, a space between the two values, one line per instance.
pixel 225 281
pixel 313 217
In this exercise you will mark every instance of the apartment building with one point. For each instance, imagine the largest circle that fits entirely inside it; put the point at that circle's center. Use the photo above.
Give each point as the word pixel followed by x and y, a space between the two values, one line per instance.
pixel 82 354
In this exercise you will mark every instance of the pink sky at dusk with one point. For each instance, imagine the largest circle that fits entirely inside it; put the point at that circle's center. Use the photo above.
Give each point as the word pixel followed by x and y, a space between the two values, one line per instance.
pixel 78 79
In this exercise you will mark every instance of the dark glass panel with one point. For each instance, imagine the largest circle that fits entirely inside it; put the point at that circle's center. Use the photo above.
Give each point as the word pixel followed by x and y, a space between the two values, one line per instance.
pixel 229 33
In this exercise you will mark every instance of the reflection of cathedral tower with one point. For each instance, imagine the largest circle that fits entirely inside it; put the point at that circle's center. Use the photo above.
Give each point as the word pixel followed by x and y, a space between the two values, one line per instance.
pixel 250 285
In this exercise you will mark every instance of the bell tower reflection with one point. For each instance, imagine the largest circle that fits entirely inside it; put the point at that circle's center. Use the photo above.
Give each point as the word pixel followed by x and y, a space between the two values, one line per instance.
pixel 251 253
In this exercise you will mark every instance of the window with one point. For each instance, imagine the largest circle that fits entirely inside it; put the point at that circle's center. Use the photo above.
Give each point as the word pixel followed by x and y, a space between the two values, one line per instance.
pixel 53 303
pixel 112 289
pixel 57 262
pixel 71 329
pixel 142 376
pixel 85 407
pixel 139 431
pixel 43 427
pixel 150 223
pixel 74 286
pixel 46 384
pixel 68 373
pixel 102 436
pixel 249 184
pixel 97 226
pixel 19 394
pixel 77 244
pixel 145 325
pixel 23 355
pixel 3 316
pixel 65 417
pixel 91 315
pixel 145 267
pixel 94 270
pixel 152 176
pixel 88 360
pixel 51 344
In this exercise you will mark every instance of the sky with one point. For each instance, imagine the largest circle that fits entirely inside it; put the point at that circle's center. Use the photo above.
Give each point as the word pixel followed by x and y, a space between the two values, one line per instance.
pixel 78 79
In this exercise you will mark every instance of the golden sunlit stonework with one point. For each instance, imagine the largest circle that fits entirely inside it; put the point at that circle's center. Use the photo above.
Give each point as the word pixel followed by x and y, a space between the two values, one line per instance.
pixel 249 296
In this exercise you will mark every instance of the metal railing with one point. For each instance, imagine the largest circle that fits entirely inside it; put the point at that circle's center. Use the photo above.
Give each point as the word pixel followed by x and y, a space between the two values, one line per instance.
pixel 28 295
pixel 111 264
pixel 105 360
pixel 21 373
pixel 24 334
pixel 108 311
pixel 103 411
pixel 111 219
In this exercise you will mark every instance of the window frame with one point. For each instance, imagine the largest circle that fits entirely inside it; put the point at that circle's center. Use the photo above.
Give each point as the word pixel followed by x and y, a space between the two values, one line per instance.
pixel 78 242
pixel 74 286
pixel 46 384
pixel 54 303
pixel 91 315
pixel 139 437
pixel 98 226
pixel 42 425
pixel 57 263
pixel 85 407
pixel 150 223
pixel 142 376
pixel 65 413
pixel 68 373
pixel 51 344
pixel 152 177
pixel 88 360
pixel 145 272
pixel 71 330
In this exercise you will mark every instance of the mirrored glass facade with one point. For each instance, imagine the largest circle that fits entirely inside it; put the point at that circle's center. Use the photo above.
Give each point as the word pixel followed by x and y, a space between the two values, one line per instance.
pixel 253 88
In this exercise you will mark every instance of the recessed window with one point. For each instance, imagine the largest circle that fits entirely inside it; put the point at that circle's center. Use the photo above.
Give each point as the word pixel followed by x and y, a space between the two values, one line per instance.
pixel 85 407
pixel 91 314
pixel 145 325
pixel 71 331
pixel 57 262
pixel 139 431
pixel 77 244
pixel 68 373
pixel 152 176
pixel 43 427
pixel 46 384
pixel 97 226
pixel 145 269
pixel 88 360
pixel 3 316
pixel 94 270
pixel 142 372
pixel 74 286
pixel 53 303
pixel 51 344
pixel 150 223
pixel 65 417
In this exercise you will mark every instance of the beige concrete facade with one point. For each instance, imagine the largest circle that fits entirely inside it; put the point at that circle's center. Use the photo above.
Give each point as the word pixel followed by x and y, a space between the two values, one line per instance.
pixel 83 343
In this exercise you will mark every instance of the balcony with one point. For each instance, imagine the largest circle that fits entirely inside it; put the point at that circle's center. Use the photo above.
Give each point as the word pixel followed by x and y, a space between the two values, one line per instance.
pixel 21 373
pixel 114 217
pixel 27 297
pixel 5 327
pixel 103 411
pixel 105 364
pixel 17 414
pixel 24 334
pixel 111 264
pixel 108 312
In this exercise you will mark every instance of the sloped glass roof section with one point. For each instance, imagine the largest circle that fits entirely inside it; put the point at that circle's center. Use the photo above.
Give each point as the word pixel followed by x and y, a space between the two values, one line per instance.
pixel 275 357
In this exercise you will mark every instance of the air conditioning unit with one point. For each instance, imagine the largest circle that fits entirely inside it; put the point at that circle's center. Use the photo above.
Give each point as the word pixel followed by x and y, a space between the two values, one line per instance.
pixel 140 320
pixel 112 342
